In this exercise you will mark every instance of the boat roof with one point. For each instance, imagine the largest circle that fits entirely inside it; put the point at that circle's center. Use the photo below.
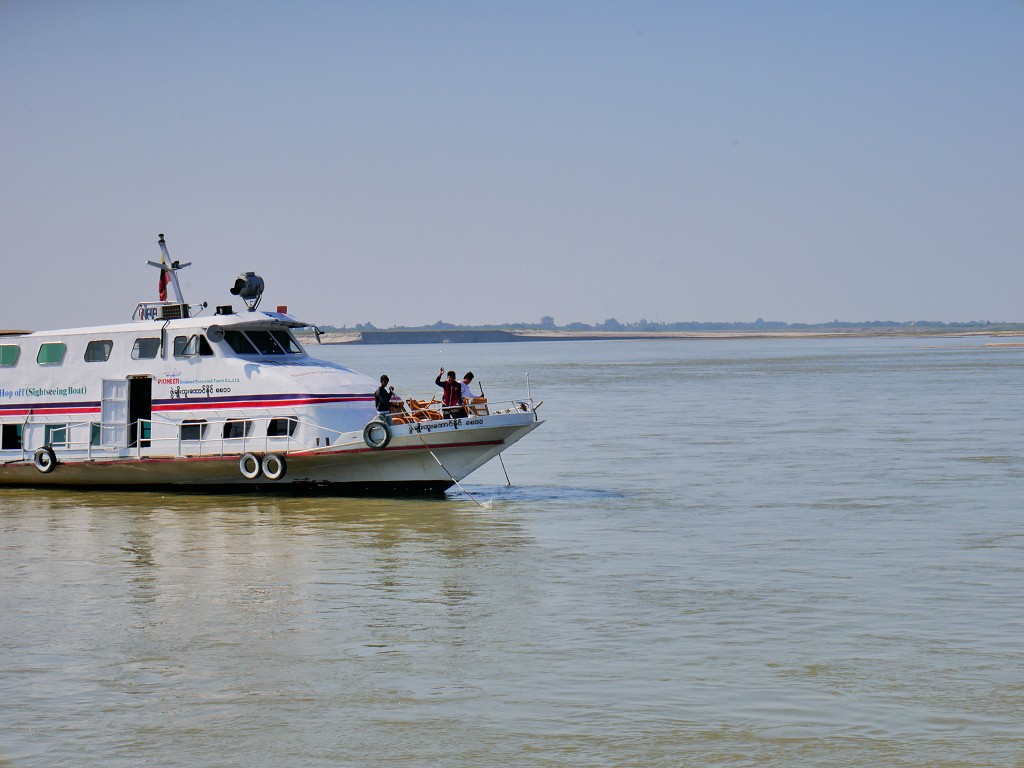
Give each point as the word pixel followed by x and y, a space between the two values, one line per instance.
pixel 255 319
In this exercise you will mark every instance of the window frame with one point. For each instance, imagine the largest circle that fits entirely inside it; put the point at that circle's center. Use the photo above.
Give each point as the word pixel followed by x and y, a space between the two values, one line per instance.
pixel 49 430
pixel 232 335
pixel 290 345
pixel 48 344
pixel 12 437
pixel 291 423
pixel 17 355
pixel 201 424
pixel 92 345
pixel 182 350
pixel 229 425
pixel 137 348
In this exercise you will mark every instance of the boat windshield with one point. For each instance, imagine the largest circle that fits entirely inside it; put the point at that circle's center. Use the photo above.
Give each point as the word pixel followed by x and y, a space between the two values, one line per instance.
pixel 254 342
pixel 239 343
pixel 287 342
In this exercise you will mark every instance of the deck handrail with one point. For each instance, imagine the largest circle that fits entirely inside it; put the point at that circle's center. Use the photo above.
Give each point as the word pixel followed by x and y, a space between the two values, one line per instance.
pixel 219 445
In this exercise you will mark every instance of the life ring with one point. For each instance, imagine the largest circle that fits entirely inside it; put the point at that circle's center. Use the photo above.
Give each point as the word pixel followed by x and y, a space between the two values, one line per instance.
pixel 45 459
pixel 249 466
pixel 377 434
pixel 274 466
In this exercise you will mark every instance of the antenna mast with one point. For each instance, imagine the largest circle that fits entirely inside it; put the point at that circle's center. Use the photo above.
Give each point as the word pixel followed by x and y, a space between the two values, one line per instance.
pixel 171 268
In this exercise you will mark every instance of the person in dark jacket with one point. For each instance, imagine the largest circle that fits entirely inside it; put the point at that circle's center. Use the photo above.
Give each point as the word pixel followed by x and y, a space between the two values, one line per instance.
pixel 382 399
pixel 451 400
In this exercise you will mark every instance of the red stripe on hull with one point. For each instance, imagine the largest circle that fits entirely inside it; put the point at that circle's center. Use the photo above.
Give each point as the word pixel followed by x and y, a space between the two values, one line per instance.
pixel 46 411
pixel 255 404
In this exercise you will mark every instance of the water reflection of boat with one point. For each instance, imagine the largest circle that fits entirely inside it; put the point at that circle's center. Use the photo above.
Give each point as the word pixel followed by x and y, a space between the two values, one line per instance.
pixel 229 401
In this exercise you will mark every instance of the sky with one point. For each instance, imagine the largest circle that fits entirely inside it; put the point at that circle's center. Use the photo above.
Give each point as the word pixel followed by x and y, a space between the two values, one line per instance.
pixel 401 163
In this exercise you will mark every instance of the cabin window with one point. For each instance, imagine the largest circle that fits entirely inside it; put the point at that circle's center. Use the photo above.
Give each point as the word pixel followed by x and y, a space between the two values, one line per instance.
pixel 262 343
pixel 10 436
pixel 190 346
pixel 55 434
pixel 146 349
pixel 265 343
pixel 239 343
pixel 287 342
pixel 282 427
pixel 185 346
pixel 95 433
pixel 9 354
pixel 193 429
pixel 98 351
pixel 237 428
pixel 51 353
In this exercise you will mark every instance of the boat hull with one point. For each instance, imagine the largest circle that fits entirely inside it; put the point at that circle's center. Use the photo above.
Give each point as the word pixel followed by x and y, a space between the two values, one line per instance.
pixel 420 459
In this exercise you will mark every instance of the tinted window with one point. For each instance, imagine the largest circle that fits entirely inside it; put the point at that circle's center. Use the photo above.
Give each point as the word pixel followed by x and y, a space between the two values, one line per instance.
pixel 281 427
pixel 11 436
pixel 145 349
pixel 288 344
pixel 9 354
pixel 98 351
pixel 265 342
pixel 238 342
pixel 193 429
pixel 51 353
pixel 55 434
pixel 237 428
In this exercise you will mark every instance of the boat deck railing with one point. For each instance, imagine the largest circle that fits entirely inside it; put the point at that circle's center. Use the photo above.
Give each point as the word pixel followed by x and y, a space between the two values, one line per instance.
pixel 215 437
pixel 412 410
pixel 109 440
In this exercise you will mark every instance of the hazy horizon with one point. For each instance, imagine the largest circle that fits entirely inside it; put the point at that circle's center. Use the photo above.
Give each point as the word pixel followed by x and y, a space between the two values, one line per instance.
pixel 406 163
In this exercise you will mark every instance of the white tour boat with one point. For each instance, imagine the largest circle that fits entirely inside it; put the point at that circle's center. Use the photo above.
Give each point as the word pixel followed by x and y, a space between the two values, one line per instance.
pixel 229 402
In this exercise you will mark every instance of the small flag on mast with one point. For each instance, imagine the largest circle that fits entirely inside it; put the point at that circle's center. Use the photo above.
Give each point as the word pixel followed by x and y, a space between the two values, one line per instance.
pixel 164 279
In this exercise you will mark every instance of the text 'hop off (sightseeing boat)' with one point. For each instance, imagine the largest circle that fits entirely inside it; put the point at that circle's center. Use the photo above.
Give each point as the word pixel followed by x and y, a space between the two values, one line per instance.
pixel 226 402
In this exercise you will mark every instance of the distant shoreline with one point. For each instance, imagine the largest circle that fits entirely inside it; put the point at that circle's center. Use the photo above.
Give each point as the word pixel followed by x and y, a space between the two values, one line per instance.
pixel 470 336
pixel 461 336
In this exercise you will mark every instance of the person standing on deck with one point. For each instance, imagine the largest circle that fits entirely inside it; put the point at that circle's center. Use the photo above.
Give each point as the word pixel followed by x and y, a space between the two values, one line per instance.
pixel 467 393
pixel 382 399
pixel 452 397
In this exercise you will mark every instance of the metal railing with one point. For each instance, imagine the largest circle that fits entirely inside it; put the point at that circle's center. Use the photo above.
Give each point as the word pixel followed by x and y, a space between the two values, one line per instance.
pixel 413 410
pixel 141 439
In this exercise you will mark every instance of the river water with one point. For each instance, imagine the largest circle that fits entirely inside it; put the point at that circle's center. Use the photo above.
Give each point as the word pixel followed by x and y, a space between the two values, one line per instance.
pixel 739 553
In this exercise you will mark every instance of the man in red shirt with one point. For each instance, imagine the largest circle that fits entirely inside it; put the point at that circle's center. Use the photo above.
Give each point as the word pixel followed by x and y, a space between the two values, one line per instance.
pixel 452 397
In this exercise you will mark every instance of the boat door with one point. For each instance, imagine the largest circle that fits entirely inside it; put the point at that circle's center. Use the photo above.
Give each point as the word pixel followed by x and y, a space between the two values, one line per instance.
pixel 114 413
pixel 140 410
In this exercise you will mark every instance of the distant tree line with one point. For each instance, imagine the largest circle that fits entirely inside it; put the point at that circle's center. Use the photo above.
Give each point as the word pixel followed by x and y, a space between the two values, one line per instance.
pixel 547 323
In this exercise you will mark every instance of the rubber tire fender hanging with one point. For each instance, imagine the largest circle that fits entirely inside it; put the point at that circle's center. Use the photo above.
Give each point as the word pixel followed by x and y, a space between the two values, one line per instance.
pixel 249 465
pixel 371 434
pixel 274 466
pixel 45 460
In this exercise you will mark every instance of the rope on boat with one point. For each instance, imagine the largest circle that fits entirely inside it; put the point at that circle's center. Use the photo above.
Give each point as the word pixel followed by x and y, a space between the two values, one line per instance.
pixel 507 481
pixel 442 466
